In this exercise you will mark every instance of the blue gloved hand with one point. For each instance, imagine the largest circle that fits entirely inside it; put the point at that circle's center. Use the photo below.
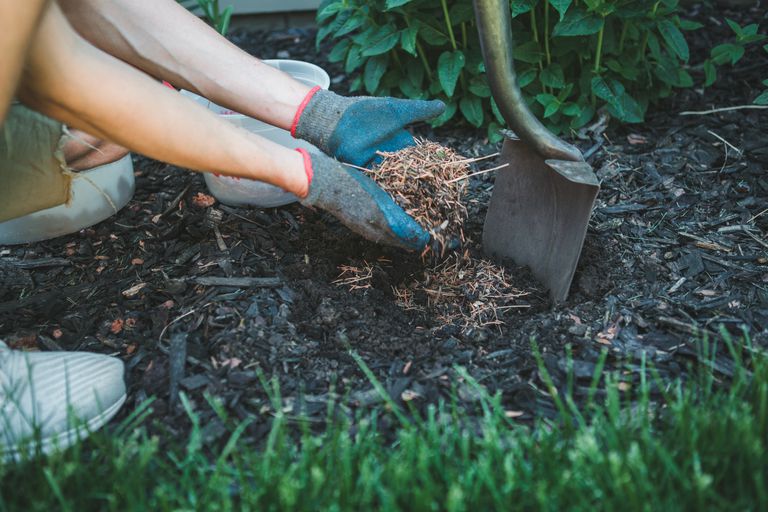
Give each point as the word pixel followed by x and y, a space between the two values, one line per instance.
pixel 359 203
pixel 353 129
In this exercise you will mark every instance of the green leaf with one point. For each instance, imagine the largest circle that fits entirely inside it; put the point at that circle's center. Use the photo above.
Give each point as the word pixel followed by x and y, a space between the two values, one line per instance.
pixel 415 73
pixel 571 110
pixel 654 46
pixel 710 73
pixel 674 39
pixel 545 99
pixel 391 4
pixel 494 133
pixel 332 27
pixel 408 39
pixel 374 70
pixel 472 108
pixel 587 113
pixel 431 35
pixel 723 53
pixel 411 91
pixel 383 40
pixel 355 59
pixel 565 93
pixel 449 67
pixel 339 51
pixel 578 22
pixel 329 10
pixel 690 25
pixel 620 104
pixel 762 99
pixel 553 76
pixel 226 17
pixel 630 71
pixel 735 27
pixel 529 52
pixel 522 6
pixel 447 115
pixel 561 6
pixel 527 78
pixel 356 84
pixel 352 24
pixel 497 112
pixel 551 109
pixel 479 87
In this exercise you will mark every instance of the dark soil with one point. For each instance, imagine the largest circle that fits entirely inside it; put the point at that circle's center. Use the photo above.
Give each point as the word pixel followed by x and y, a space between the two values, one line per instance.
pixel 676 251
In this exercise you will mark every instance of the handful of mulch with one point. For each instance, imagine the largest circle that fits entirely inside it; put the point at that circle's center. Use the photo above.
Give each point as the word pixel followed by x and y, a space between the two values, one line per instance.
pixel 428 181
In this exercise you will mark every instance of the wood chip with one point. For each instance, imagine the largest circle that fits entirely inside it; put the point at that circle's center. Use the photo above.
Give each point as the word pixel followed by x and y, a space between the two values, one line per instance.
pixel 133 290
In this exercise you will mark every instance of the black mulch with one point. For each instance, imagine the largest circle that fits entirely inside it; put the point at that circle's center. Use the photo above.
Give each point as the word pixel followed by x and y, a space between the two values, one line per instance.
pixel 676 250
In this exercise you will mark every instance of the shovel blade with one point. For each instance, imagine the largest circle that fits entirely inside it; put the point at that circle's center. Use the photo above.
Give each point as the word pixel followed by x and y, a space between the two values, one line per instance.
pixel 539 213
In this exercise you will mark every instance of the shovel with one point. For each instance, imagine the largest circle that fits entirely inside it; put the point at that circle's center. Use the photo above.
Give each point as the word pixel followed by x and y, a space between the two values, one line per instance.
pixel 542 200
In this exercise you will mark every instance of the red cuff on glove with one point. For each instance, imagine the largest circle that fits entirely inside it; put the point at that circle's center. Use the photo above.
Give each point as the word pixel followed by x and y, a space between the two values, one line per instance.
pixel 307 165
pixel 301 108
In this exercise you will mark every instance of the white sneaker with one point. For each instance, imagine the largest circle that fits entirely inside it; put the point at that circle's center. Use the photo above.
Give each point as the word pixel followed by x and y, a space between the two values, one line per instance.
pixel 55 398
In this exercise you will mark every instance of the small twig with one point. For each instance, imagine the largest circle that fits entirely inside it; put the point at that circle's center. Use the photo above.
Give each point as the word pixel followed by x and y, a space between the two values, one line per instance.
pixel 755 216
pixel 485 171
pixel 725 109
pixel 757 239
pixel 239 282
pixel 728 144
pixel 191 311
pixel 356 167
pixel 473 160
pixel 38 263
pixel 176 201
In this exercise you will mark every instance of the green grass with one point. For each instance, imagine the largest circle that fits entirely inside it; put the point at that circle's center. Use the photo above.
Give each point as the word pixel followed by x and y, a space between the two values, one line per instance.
pixel 703 447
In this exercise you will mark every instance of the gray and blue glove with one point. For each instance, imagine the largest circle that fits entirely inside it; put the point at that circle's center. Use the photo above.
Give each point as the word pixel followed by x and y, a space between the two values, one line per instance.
pixel 352 129
pixel 359 203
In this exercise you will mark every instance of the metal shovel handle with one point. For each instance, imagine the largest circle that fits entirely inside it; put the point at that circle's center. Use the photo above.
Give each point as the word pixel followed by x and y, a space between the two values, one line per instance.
pixel 493 24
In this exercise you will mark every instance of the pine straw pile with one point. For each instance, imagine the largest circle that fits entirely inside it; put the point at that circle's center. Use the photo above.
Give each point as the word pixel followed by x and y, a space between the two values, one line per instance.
pixel 429 182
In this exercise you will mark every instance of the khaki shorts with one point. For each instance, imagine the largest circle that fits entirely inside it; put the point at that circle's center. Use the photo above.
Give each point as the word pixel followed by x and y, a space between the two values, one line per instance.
pixel 33 173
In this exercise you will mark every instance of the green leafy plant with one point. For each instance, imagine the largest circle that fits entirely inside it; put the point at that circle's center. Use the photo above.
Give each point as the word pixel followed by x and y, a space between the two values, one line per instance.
pixel 573 57
pixel 218 18
pixel 732 52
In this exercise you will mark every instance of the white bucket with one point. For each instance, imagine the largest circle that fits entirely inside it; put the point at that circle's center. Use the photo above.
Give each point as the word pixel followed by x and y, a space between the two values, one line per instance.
pixel 236 191
pixel 97 194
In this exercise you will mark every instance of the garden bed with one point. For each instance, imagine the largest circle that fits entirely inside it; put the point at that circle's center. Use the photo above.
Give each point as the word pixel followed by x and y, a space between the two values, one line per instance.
pixel 206 298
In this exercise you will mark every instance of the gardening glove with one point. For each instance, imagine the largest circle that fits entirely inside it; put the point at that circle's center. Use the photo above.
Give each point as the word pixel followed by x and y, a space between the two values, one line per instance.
pixel 353 129
pixel 359 203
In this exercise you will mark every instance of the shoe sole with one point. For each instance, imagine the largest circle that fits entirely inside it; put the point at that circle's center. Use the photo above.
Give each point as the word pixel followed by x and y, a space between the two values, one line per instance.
pixel 64 440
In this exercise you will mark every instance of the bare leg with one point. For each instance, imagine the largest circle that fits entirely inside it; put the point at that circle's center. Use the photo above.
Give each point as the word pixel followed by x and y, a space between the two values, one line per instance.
pixel 191 55
pixel 85 88
pixel 18 23
pixel 85 151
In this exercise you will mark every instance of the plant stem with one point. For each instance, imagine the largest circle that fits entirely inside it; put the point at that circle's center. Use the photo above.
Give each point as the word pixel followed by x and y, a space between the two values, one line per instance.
pixel 535 30
pixel 463 34
pixel 424 62
pixel 599 50
pixel 623 37
pixel 448 24
pixel 546 32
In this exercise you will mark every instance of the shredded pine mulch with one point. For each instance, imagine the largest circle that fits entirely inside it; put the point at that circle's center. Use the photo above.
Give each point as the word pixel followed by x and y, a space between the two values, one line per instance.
pixel 429 181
